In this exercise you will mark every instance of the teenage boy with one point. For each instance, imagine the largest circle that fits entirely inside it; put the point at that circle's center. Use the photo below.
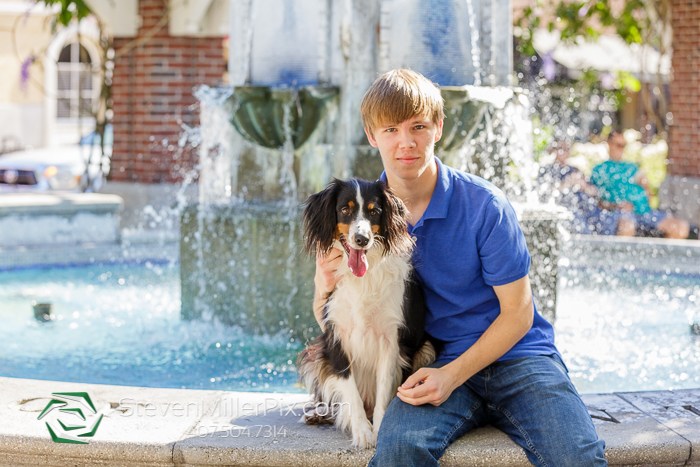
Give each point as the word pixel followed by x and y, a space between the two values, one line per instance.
pixel 497 364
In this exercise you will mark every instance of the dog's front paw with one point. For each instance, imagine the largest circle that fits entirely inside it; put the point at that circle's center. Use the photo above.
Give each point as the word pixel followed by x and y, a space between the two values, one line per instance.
pixel 313 417
pixel 375 434
pixel 363 435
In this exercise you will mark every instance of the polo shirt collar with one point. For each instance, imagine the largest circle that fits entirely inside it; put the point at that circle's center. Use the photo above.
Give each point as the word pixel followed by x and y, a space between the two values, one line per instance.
pixel 440 201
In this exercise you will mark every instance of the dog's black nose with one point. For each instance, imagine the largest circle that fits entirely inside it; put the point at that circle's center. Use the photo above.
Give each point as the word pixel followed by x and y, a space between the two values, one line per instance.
pixel 361 240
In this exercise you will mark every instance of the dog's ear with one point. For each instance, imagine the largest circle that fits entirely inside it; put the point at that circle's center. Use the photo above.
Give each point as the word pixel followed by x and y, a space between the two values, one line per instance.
pixel 319 218
pixel 394 223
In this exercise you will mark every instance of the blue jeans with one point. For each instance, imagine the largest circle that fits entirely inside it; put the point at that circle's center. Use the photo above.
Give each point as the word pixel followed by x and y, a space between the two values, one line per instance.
pixel 531 399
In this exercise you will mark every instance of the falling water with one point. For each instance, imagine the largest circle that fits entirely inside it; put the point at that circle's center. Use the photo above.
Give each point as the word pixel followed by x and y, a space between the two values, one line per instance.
pixel 475 50
pixel 217 160
pixel 497 149
pixel 287 176
pixel 290 189
pixel 218 174
pixel 248 43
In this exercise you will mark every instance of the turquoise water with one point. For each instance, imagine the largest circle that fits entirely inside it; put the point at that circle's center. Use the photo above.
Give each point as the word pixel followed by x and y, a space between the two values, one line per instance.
pixel 627 330
pixel 120 324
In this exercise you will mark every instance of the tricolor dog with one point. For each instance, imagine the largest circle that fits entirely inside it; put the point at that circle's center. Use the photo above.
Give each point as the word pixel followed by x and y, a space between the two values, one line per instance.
pixel 373 321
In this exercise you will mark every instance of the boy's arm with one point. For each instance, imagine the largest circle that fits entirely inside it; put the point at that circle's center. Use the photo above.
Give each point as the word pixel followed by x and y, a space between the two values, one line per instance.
pixel 325 281
pixel 511 325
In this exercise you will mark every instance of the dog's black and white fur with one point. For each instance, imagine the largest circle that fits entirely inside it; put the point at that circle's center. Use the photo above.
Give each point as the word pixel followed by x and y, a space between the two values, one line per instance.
pixel 374 319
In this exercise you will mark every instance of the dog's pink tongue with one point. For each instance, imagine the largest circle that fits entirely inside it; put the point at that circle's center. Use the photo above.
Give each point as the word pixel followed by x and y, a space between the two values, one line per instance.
pixel 357 261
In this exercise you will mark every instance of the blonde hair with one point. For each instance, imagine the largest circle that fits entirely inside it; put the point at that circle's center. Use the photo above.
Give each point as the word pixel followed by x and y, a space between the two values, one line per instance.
pixel 398 95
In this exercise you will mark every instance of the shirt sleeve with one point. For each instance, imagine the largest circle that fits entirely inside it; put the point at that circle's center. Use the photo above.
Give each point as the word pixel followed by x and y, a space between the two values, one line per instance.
pixel 597 176
pixel 501 243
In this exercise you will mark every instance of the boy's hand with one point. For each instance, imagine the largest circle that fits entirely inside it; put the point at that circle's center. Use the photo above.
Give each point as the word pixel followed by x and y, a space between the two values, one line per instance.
pixel 428 386
pixel 325 281
pixel 326 271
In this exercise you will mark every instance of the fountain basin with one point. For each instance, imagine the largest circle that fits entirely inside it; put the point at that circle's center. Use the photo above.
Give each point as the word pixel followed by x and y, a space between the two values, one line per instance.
pixel 270 117
pixel 465 110
pixel 244 265
pixel 39 219
pixel 621 325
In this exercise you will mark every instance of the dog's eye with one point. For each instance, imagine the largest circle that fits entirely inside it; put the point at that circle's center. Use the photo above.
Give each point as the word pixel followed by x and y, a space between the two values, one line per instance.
pixel 345 210
pixel 375 212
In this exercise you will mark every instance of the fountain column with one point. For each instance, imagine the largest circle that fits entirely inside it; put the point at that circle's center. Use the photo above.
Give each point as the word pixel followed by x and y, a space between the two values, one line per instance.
pixel 242 261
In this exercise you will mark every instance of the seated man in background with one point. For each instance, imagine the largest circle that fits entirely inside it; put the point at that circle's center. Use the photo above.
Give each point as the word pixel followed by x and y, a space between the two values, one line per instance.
pixel 570 189
pixel 623 186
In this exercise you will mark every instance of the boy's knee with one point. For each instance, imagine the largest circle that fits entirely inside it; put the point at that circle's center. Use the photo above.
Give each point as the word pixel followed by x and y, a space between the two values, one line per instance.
pixel 397 445
pixel 402 452
pixel 589 452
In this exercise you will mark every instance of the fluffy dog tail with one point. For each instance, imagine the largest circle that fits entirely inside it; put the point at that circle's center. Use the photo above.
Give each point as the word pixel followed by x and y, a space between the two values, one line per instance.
pixel 309 367
pixel 425 356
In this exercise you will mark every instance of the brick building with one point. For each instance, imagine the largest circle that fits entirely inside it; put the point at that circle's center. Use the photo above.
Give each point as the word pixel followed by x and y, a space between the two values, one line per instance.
pixel 152 95
pixel 684 156
pixel 683 184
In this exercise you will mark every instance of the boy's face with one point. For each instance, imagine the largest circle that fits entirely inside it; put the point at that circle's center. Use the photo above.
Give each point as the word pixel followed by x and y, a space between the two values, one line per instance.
pixel 407 147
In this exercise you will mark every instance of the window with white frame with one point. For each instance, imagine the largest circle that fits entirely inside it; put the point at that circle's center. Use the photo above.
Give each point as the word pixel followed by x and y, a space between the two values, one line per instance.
pixel 75 93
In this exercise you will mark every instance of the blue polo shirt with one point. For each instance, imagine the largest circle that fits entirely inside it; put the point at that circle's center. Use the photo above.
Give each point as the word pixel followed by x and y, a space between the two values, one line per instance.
pixel 468 241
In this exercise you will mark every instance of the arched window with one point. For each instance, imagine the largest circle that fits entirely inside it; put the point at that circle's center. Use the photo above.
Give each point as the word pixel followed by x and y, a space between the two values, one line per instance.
pixel 75 92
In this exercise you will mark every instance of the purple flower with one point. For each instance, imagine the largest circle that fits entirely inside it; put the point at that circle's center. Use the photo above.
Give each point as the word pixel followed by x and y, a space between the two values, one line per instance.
pixel 548 66
pixel 607 81
pixel 24 72
pixel 29 11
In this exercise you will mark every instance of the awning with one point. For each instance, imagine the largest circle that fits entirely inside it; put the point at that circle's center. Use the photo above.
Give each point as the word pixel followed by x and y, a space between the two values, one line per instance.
pixel 608 53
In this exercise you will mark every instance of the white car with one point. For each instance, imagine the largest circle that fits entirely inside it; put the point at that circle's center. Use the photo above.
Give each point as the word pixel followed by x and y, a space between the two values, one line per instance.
pixel 59 168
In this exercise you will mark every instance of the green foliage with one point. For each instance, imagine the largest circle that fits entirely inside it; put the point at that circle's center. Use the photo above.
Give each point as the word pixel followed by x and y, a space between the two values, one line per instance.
pixel 585 19
pixel 543 135
pixel 70 10
pixel 643 22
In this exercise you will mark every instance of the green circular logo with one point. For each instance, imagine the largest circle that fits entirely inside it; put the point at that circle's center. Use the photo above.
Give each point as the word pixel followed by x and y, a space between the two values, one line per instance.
pixel 71 417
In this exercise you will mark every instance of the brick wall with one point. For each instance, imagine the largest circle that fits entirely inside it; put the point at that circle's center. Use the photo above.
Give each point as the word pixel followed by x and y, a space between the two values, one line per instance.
pixel 152 95
pixel 684 151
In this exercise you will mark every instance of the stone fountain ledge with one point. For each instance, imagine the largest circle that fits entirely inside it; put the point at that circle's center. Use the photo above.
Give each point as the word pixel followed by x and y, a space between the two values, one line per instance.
pixel 58 229
pixel 28 219
pixel 652 255
pixel 154 427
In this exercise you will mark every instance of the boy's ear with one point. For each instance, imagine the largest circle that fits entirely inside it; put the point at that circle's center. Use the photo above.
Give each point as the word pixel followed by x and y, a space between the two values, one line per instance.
pixel 370 138
pixel 438 135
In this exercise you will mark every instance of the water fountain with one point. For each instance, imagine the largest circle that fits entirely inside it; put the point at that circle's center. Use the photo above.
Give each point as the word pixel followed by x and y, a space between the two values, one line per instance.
pixel 292 121
pixel 620 329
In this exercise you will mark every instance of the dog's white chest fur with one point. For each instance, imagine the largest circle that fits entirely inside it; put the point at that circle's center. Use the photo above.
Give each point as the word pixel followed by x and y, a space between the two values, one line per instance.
pixel 368 311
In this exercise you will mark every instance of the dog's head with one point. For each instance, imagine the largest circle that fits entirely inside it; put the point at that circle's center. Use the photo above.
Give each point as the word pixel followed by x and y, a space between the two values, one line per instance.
pixel 361 215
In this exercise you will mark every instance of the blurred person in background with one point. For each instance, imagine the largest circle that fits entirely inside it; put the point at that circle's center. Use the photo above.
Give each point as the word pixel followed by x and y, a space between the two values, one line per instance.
pixel 570 188
pixel 623 187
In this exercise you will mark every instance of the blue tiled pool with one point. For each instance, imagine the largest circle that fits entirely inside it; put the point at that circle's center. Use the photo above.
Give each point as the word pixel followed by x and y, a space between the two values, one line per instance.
pixel 628 330
pixel 120 324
